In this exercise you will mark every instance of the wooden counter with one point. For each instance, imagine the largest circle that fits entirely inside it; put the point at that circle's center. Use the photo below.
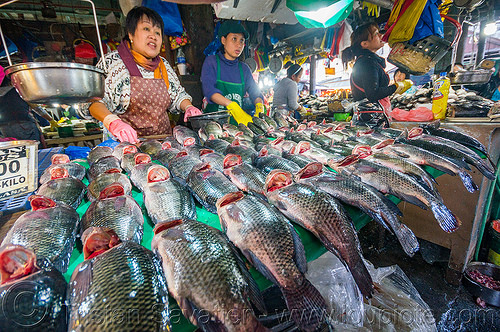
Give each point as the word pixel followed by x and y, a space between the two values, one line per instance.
pixel 87 140
pixel 468 207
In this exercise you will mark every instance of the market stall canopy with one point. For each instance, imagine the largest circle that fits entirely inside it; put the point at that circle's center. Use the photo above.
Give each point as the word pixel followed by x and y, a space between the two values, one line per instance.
pixel 322 13
pixel 271 11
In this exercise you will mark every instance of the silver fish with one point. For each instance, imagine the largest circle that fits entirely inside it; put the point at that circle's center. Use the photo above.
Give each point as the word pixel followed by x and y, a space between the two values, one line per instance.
pixel 244 176
pixel 103 180
pixel 63 188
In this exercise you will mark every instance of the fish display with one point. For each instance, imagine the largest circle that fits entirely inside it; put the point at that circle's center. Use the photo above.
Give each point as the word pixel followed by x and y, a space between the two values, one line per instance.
pixel 194 256
pixel 272 245
pixel 122 149
pixel 117 211
pixel 103 180
pixel 32 292
pixel 49 230
pixel 126 278
pixel 181 165
pixel 130 160
pixel 102 165
pixel 63 188
pixel 165 198
pixel 244 176
pixel 99 152
pixel 185 136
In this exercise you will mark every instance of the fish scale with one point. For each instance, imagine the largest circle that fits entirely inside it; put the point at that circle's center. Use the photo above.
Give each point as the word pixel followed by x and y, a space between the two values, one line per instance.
pixel 126 279
pixel 99 152
pixel 49 232
pixel 102 165
pixel 168 200
pixel 215 160
pixel 217 145
pixel 139 175
pixel 65 190
pixel 181 166
pixel 165 156
pixel 75 170
pixel 247 178
pixel 122 214
pixel 246 153
pixel 267 163
pixel 104 180
pixel 203 271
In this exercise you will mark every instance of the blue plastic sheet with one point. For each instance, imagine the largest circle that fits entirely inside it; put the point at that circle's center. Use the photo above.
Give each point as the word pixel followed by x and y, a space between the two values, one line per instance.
pixel 77 152
pixel 170 14
pixel 429 23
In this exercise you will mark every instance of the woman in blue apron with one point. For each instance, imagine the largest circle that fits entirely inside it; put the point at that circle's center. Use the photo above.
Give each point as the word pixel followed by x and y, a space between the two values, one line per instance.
pixel 226 80
pixel 369 79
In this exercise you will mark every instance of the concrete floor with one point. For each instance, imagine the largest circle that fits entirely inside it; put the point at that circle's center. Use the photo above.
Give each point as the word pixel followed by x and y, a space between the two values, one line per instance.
pixel 453 307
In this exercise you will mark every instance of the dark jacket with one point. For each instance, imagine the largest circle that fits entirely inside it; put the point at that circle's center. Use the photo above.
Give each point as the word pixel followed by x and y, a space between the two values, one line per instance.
pixel 368 73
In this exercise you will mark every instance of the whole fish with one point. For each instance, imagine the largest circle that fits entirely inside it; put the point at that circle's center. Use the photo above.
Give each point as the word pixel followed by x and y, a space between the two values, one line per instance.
pixel 266 163
pixel 246 153
pixel 433 129
pixel 280 120
pixel 270 121
pixel 165 199
pixel 125 279
pixel 74 169
pixel 245 130
pixel 421 156
pixel 181 165
pixel 139 175
pixel 366 198
pixel 185 136
pixel 255 129
pixel 117 211
pixel 230 128
pixel 307 150
pixel 448 148
pixel 130 160
pixel 102 181
pixel 244 176
pixel 212 128
pixel 208 185
pixel 102 165
pixel 387 180
pixel 124 148
pixel 206 277
pixel 49 229
pixel 272 245
pixel 151 146
pixel 283 144
pixel 63 188
pixel 194 150
pixel 99 152
pixel 299 159
pixel 216 144
pixel 322 215
pixel 166 155
pixel 41 287
pixel 260 123
pixel 216 160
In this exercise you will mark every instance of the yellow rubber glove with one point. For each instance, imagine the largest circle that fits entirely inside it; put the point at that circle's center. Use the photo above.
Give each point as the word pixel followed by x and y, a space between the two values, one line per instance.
pixel 238 113
pixel 403 86
pixel 53 125
pixel 259 108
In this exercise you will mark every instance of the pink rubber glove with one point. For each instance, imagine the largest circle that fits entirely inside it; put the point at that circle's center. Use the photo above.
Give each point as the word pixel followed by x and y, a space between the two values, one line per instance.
pixel 191 111
pixel 123 131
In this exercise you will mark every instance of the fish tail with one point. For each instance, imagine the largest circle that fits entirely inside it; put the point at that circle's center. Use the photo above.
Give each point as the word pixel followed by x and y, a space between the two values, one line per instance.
pixel 446 219
pixel 486 169
pixel 306 305
pixel 362 277
pixel 468 182
pixel 407 239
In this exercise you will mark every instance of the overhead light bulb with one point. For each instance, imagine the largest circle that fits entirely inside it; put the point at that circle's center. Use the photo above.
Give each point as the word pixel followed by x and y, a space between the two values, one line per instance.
pixel 490 28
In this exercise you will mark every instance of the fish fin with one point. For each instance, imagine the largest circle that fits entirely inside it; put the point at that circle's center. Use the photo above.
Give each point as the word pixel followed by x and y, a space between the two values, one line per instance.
pixel 485 169
pixel 260 266
pixel 378 218
pixel 254 293
pixel 411 199
pixel 81 280
pixel 391 205
pixel 300 254
pixel 306 305
pixel 366 169
pixel 446 219
pixel 458 162
pixel 407 239
pixel 200 317
pixel 468 182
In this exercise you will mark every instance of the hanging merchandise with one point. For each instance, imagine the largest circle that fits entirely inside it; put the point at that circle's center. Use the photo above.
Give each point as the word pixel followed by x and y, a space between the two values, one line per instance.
pixel 403 19
pixel 170 14
pixel 372 9
pixel 320 14
pixel 215 44
pixel 178 41
pixel 430 22
pixel 84 49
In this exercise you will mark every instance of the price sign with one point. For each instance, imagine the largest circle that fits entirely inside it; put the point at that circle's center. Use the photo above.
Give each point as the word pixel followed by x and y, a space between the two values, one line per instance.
pixel 18 168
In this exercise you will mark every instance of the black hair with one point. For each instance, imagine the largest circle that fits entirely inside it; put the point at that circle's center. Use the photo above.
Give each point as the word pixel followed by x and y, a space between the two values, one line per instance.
pixel 135 14
pixel 294 69
pixel 360 34
pixel 407 74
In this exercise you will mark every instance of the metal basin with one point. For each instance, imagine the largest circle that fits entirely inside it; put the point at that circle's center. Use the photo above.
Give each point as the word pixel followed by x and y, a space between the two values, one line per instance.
pixel 57 82
pixel 489 295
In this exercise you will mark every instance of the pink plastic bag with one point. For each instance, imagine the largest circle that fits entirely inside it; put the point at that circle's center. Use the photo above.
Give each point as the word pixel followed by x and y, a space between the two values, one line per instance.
pixel 421 114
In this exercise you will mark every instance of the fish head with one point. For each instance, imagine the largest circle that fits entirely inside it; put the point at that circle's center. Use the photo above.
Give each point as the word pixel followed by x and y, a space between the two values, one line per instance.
pixel 58 173
pixel 232 160
pixel 302 147
pixel 311 124
pixel 229 198
pixel 166 145
pixel 205 151
pixel 181 154
pixel 97 240
pixel 344 162
pixel 239 133
pixel 16 262
pixel 383 144
pixel 162 226
pixel 225 134
pixel 327 130
pixel 415 132
pixel 158 173
pixel 263 152
pixel 114 189
pixel 301 127
pixel 41 202
pixel 310 170
pixel 362 151
pixel 211 137
pixel 59 158
pixel 277 141
pixel 188 141
pixel 113 170
pixel 277 179
pixel 142 158
pixel 236 142
pixel 205 169
pixel 129 149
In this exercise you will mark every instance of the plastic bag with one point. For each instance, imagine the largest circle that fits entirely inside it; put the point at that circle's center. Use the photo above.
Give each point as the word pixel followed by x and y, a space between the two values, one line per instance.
pixel 170 14
pixel 430 22
pixel 366 113
pixel 421 114
pixel 403 20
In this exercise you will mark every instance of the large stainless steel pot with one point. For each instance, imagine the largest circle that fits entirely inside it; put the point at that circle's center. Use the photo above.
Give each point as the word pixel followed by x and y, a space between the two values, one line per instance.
pixel 57 82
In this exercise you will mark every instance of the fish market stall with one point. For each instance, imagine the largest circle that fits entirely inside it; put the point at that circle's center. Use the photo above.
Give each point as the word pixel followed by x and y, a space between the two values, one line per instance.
pixel 470 208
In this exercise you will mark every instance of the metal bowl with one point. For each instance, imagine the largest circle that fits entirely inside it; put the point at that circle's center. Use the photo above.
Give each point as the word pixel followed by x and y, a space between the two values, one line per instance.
pixel 470 76
pixel 57 82
pixel 488 295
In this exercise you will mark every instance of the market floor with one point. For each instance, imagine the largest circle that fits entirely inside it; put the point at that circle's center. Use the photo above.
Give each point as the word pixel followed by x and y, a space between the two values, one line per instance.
pixel 453 307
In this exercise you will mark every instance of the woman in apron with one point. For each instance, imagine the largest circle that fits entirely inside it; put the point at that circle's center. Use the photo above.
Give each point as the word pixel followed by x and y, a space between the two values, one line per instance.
pixel 226 80
pixel 369 79
pixel 140 86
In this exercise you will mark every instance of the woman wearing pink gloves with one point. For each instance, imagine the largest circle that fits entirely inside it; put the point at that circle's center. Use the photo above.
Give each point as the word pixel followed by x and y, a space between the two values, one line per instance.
pixel 140 86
